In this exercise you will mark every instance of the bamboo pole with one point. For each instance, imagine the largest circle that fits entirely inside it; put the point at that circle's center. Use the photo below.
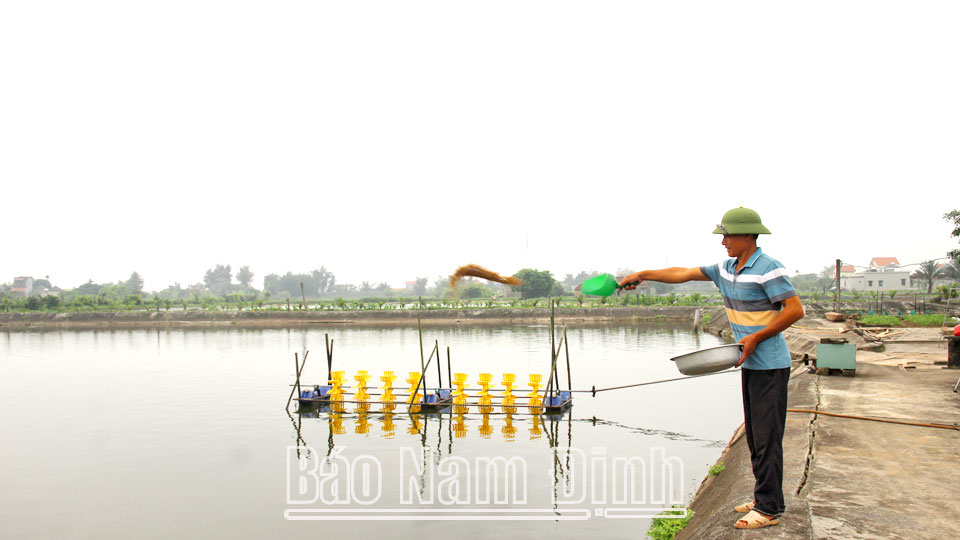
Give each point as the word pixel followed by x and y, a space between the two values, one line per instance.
pixel 422 373
pixel 556 373
pixel 566 346
pixel 553 359
pixel 556 356
pixel 552 350
pixel 436 348
pixel 423 367
pixel 329 347
pixel 296 370
pixel 449 378
pixel 296 386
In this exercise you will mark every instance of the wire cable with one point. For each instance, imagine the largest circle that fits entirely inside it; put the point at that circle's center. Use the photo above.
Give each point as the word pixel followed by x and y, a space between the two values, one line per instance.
pixel 594 390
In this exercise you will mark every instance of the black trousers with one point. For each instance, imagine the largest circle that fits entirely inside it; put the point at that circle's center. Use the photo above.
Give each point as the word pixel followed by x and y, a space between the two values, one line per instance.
pixel 764 417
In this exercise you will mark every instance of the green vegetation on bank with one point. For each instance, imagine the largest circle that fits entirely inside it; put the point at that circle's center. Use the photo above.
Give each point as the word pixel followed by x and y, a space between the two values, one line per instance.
pixel 931 320
pixel 121 297
pixel 263 302
pixel 716 469
pixel 668 523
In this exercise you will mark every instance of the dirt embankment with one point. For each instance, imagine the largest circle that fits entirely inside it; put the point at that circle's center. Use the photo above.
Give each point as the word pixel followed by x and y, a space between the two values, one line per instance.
pixel 274 319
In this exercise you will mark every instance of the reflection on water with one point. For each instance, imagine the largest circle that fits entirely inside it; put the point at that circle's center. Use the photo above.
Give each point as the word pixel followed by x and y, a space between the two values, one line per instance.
pixel 362 423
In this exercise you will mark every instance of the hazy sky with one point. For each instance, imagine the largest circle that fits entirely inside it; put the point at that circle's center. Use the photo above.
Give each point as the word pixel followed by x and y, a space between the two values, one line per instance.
pixel 396 139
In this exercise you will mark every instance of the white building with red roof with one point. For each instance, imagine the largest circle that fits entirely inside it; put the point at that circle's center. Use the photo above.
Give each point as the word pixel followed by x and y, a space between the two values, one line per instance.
pixel 884 262
pixel 883 274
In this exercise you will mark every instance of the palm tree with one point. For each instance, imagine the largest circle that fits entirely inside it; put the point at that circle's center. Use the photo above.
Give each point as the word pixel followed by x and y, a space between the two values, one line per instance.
pixel 827 278
pixel 951 271
pixel 928 271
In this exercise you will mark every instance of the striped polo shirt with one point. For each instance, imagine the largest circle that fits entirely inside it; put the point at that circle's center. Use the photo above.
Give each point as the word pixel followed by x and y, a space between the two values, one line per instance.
pixel 752 297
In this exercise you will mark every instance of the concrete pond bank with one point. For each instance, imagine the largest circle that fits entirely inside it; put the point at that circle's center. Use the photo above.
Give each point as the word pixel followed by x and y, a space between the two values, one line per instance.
pixel 854 478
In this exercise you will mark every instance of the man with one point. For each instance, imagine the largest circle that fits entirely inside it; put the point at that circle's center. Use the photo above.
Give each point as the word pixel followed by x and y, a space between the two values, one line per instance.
pixel 761 303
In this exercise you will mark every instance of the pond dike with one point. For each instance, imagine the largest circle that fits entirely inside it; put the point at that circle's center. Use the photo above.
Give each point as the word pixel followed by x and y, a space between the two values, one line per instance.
pixel 844 477
pixel 285 319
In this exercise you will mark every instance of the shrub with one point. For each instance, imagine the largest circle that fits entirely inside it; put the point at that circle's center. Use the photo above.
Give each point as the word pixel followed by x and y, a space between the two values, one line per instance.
pixel 880 320
pixel 934 319
pixel 475 290
pixel 665 528
pixel 947 292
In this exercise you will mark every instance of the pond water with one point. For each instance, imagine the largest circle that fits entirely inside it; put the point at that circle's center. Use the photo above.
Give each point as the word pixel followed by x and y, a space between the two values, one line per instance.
pixel 183 433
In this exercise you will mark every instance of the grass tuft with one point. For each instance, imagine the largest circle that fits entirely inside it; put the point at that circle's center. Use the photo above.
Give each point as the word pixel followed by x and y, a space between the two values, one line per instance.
pixel 665 528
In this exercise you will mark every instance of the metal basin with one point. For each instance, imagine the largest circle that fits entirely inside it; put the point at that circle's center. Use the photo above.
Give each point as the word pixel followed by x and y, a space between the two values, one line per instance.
pixel 709 360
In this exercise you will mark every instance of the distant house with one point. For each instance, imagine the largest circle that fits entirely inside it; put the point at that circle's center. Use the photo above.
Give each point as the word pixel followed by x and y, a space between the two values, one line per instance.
pixel 846 270
pixel 884 262
pixel 882 274
pixel 23 285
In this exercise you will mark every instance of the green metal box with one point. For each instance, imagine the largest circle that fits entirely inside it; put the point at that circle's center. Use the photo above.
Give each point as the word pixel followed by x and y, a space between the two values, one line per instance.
pixel 836 354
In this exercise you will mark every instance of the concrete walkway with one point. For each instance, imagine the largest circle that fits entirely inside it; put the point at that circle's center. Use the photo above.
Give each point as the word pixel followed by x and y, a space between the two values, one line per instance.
pixel 847 478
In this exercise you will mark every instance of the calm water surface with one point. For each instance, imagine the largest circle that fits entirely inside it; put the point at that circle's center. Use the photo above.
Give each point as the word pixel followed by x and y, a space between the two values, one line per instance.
pixel 182 433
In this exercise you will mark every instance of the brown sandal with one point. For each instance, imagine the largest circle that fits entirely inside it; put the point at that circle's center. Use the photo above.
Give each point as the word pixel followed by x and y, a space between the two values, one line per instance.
pixel 755 520
pixel 744 508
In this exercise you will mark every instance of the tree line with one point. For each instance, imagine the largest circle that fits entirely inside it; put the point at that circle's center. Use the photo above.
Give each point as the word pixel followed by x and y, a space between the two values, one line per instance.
pixel 220 284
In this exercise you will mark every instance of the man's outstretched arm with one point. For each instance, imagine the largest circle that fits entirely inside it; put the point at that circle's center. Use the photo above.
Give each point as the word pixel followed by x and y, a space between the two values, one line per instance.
pixel 664 275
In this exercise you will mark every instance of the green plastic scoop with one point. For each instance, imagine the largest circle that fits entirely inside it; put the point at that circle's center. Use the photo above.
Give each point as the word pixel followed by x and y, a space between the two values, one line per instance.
pixel 602 285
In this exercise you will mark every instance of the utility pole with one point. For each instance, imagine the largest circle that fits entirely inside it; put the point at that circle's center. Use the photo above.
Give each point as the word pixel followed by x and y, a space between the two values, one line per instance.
pixel 836 301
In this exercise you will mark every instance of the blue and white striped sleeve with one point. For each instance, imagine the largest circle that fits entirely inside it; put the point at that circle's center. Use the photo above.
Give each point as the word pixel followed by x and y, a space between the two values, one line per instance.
pixel 712 271
pixel 776 284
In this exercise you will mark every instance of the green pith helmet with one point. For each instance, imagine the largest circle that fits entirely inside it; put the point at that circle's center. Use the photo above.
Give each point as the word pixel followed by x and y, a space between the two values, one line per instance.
pixel 741 221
